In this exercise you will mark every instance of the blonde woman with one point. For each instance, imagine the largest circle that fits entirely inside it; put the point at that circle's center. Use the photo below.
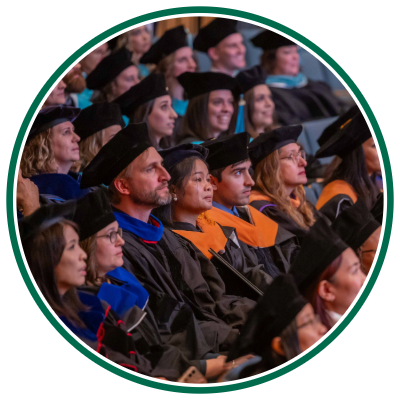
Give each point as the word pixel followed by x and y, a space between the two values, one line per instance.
pixel 51 154
pixel 97 125
pixel 279 176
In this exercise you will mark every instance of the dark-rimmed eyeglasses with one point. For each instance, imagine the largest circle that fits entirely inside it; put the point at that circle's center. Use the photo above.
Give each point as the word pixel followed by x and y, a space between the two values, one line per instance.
pixel 113 236
pixel 294 157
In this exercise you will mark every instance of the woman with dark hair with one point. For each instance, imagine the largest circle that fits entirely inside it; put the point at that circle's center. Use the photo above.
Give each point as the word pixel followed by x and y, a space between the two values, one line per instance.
pixel 281 327
pixel 347 180
pixel 51 154
pixel 328 273
pixel 213 106
pixel 297 99
pixel 259 116
pixel 150 102
pixel 279 176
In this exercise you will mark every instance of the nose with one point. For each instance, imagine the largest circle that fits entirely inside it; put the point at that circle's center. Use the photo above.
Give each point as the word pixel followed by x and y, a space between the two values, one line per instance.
pixel 164 176
pixel 192 64
pixel 62 85
pixel 172 113
pixel 76 138
pixel 302 162
pixel 83 255
pixel 120 241
pixel 76 67
pixel 249 181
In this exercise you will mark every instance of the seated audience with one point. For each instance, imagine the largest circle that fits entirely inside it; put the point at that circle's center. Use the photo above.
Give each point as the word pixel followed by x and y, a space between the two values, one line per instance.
pixel 259 107
pixel 96 125
pixel 92 60
pixel 328 273
pixel 150 102
pixel 51 151
pixel 297 98
pixel 279 175
pixel 212 109
pixel 347 178
pixel 76 84
pixel 223 44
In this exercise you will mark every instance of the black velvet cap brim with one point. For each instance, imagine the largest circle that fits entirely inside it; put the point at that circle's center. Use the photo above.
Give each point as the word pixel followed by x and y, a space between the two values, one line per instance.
pixel 116 155
pixel 172 40
pixel 225 151
pixel 175 155
pixel 269 40
pixel 267 143
pixel 251 77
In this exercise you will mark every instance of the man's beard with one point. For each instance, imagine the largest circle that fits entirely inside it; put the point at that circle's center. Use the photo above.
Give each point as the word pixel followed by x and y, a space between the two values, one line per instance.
pixel 74 84
pixel 151 199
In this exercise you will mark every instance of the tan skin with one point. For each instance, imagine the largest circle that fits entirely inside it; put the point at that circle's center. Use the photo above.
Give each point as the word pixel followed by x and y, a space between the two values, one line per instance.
pixel 229 54
pixel 287 61
pixel 220 111
pixel 110 132
pixel 139 42
pixel 309 331
pixel 293 173
pixel 368 250
pixel 264 107
pixel 340 293
pixel 371 157
pixel 235 186
pixel 57 96
pixel 27 195
pixel 128 78
pixel 92 60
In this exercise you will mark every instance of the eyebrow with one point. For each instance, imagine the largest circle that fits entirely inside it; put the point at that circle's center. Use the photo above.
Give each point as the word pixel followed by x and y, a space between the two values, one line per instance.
pixel 153 164
pixel 72 241
pixel 239 169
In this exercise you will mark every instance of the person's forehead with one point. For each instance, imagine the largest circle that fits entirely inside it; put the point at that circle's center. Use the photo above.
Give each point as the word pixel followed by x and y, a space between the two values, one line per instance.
pixel 290 147
pixel 220 93
pixel 64 125
pixel 231 39
pixel 183 51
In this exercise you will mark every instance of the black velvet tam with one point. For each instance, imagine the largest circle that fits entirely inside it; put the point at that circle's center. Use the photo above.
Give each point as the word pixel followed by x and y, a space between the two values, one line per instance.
pixel 266 143
pixel 198 83
pixel 320 247
pixel 273 313
pixel 269 40
pixel 149 88
pixel 347 139
pixel 225 151
pixel 44 217
pixel 377 208
pixel 355 225
pixel 171 41
pixel 340 123
pixel 175 155
pixel 109 68
pixel 251 77
pixel 96 117
pixel 52 116
pixel 216 31
pixel 116 155
pixel 93 213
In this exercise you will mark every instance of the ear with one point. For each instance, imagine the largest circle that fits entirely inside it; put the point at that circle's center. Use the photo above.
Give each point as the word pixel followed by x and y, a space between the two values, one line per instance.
pixel 172 189
pixel 276 345
pixel 325 291
pixel 213 54
pixel 121 186
pixel 213 182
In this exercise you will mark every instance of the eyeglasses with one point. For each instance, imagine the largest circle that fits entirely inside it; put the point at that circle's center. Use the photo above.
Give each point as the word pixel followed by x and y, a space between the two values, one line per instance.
pixel 294 157
pixel 315 321
pixel 113 235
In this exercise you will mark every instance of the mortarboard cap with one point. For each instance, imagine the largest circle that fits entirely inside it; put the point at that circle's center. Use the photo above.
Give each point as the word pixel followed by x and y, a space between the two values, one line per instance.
pixel 174 155
pixel 116 155
pixel 377 208
pixel 251 77
pixel 268 40
pixel 227 150
pixel 267 143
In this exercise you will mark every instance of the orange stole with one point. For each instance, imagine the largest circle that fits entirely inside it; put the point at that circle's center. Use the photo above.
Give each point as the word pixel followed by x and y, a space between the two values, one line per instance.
pixel 333 189
pixel 211 237
pixel 256 195
pixel 261 234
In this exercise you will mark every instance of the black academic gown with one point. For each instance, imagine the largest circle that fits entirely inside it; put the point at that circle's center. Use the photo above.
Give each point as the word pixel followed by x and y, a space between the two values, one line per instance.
pixel 182 320
pixel 312 101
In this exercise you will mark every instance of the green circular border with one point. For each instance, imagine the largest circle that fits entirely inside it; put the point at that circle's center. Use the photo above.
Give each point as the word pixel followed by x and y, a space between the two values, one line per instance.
pixel 11 208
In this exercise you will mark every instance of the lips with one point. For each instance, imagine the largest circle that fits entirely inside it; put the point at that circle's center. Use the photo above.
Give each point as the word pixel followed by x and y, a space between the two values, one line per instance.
pixel 208 198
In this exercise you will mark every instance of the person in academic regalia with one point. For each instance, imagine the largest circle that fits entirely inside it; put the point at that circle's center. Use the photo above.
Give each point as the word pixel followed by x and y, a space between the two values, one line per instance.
pixel 76 85
pixel 150 102
pixel 113 76
pixel 328 273
pixel 279 174
pixel 96 125
pixel 223 44
pixel 51 152
pixel 357 227
pixel 348 179
pixel 259 107
pixel 101 239
pixel 213 105
pixel 137 182
pixel 173 56
pixel 138 42
pixel 57 96
pixel 92 60
pixel 281 327
pixel 57 263
pixel 297 99
pixel 188 218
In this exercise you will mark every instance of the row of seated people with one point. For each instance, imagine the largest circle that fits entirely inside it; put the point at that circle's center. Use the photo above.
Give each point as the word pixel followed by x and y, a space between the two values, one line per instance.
pixel 205 256
pixel 276 93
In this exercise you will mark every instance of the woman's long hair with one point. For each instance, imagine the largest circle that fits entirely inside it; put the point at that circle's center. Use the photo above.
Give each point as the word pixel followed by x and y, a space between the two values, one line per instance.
pixel 268 61
pixel 315 299
pixel 268 180
pixel 89 147
pixel 89 245
pixel 353 170
pixel 43 253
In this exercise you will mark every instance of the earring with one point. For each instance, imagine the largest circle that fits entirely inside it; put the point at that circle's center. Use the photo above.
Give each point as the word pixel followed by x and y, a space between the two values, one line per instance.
pixel 174 197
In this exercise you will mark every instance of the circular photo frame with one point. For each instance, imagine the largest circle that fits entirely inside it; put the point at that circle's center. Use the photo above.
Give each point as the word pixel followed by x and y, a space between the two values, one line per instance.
pixel 261 22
